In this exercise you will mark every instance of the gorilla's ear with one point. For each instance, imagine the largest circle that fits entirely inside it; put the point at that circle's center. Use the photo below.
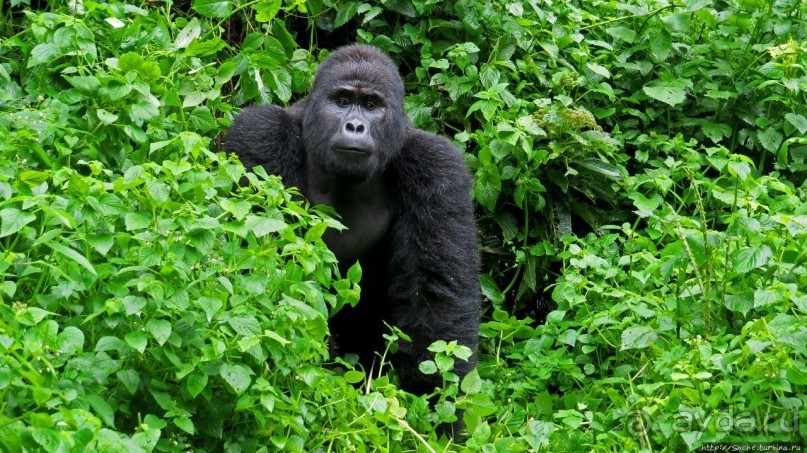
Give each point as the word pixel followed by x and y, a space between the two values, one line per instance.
pixel 269 136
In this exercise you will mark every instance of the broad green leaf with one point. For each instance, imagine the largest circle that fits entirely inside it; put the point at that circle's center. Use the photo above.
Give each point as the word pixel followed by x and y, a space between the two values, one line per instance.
pixel 212 8
pixel 72 255
pixel 671 92
pixel 136 221
pixel 160 329
pixel 185 424
pixel 637 337
pixel 261 226
pixel 137 340
pixel 195 383
pixel 44 53
pixel 190 32
pixel 770 139
pixel 746 259
pixel 471 383
pixel 266 9
pixel 100 242
pixel 14 220
pixel 130 379
pixel 237 376
pixel 103 409
pixel 798 121
pixel 70 340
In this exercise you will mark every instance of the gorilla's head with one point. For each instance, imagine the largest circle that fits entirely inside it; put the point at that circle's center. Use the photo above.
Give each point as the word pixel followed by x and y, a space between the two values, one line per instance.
pixel 354 121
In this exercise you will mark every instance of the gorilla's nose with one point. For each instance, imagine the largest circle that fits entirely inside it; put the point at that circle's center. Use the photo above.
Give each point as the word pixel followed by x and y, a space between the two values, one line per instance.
pixel 355 127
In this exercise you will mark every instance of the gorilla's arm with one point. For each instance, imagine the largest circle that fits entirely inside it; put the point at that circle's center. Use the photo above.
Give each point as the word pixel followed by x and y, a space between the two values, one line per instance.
pixel 435 262
pixel 270 136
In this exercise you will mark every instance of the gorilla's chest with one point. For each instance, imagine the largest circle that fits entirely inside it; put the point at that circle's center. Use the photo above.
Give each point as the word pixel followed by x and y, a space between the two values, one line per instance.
pixel 365 210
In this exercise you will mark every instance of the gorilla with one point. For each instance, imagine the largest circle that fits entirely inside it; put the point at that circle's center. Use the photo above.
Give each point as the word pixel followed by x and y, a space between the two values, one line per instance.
pixel 404 195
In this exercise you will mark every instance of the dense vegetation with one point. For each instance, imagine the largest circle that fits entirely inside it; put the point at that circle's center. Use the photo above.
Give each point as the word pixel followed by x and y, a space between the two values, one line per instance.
pixel 640 178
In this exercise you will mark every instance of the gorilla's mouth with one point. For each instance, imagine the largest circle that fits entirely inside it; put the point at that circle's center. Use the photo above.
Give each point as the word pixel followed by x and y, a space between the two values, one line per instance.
pixel 352 151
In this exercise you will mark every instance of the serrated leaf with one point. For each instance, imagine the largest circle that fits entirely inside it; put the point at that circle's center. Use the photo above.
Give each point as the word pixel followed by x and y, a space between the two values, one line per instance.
pixel 209 305
pixel 266 9
pixel 136 221
pixel 637 337
pixel 770 139
pixel 261 226
pixel 428 367
pixel 100 242
pixel 746 259
pixel 103 409
pixel 671 92
pixel 345 13
pixel 599 70
pixel 471 383
pixel 137 340
pixel 14 220
pixel 70 340
pixel 160 329
pixel 212 8
pixel 189 32
pixel 798 121
pixel 185 424
pixel 195 383
pixel 44 53
pixel 73 255
pixel 237 376
pixel 130 379
pixel 143 111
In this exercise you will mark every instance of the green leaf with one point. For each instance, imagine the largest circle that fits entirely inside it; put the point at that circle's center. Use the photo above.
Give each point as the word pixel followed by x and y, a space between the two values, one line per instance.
pixel 202 119
pixel 136 221
pixel 100 242
pixel 143 111
pixel 637 337
pixel 346 12
pixel 160 329
pixel 354 376
pixel 137 340
pixel 770 139
pixel 599 70
pixel 266 9
pixel 14 220
pixel 103 409
pixel 261 226
pixel 798 121
pixel 237 377
pixel 671 92
pixel 85 84
pixel 212 8
pixel 471 383
pixel 195 383
pixel 71 254
pixel 209 305
pixel 185 424
pixel 746 259
pixel 130 379
pixel 428 367
pixel 48 439
pixel 70 340
pixel 44 53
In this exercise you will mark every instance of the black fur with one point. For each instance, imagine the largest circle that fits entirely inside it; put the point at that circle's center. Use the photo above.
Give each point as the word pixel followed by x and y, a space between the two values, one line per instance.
pixel 408 197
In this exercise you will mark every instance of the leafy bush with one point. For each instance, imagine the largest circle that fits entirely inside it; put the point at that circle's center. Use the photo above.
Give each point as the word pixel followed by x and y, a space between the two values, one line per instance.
pixel 639 173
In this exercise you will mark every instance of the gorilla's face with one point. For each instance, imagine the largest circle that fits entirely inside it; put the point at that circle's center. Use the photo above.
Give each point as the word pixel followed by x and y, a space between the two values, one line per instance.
pixel 354 121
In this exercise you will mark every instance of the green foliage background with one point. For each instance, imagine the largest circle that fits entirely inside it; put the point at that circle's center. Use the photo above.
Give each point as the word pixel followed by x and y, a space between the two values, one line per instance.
pixel 640 179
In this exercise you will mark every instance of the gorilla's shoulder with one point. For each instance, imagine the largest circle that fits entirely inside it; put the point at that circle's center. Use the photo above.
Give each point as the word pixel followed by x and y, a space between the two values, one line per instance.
pixel 270 136
pixel 432 156
pixel 430 164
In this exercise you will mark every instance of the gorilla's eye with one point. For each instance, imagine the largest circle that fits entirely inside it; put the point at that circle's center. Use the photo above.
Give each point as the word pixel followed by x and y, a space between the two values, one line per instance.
pixel 343 101
pixel 369 105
